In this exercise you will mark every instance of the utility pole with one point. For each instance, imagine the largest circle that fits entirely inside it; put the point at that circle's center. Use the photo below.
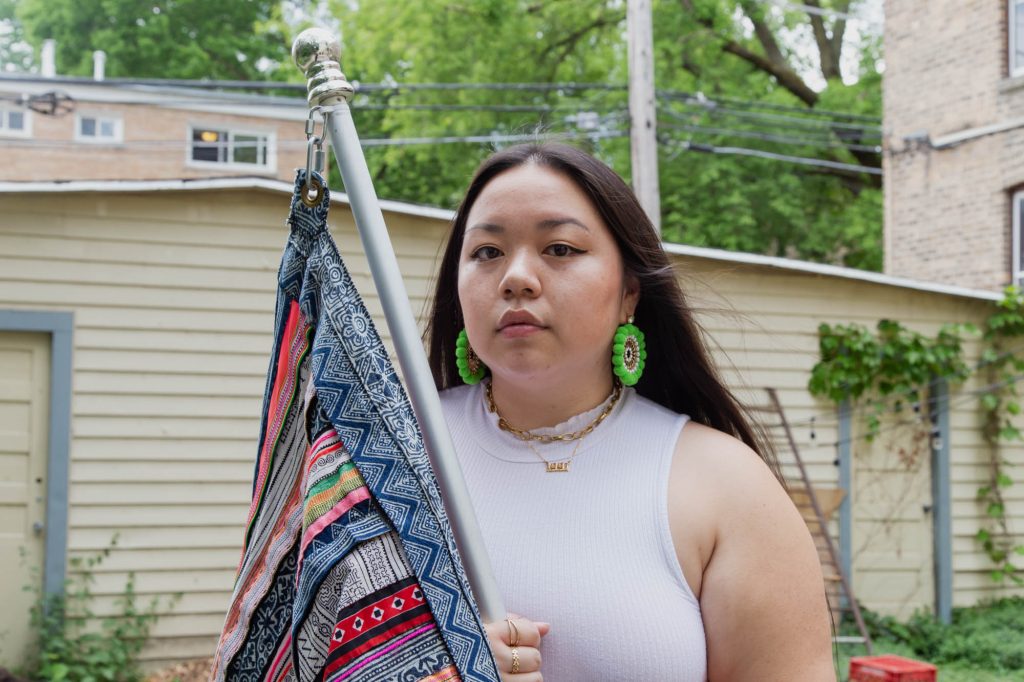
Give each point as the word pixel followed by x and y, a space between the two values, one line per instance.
pixel 643 141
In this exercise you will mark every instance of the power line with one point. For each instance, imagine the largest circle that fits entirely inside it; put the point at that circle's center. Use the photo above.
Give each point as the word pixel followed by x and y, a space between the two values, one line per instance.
pixel 800 160
pixel 712 108
pixel 539 87
pixel 301 86
pixel 501 108
pixel 784 139
pixel 497 139
pixel 771 106
pixel 399 88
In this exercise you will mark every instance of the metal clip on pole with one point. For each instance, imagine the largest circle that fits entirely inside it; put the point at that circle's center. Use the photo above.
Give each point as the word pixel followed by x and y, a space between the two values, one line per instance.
pixel 312 190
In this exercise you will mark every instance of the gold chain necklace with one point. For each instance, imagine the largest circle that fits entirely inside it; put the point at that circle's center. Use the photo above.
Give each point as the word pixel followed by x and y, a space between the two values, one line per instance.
pixel 553 466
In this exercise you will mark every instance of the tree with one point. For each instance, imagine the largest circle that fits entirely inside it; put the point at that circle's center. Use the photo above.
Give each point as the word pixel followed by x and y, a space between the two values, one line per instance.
pixel 738 79
pixel 750 51
pixel 159 38
pixel 15 53
pixel 739 71
pixel 485 41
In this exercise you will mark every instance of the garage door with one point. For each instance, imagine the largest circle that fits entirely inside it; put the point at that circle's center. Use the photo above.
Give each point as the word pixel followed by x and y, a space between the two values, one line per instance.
pixel 24 419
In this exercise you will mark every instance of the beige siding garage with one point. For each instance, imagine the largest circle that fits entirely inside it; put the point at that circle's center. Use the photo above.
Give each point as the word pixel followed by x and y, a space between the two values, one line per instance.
pixel 172 292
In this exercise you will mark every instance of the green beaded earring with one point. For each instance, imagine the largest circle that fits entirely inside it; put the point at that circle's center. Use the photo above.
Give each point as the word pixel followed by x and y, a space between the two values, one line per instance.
pixel 470 368
pixel 629 353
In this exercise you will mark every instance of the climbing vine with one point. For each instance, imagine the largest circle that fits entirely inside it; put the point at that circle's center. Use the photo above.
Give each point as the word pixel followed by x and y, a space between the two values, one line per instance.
pixel 1003 367
pixel 890 369
pixel 895 366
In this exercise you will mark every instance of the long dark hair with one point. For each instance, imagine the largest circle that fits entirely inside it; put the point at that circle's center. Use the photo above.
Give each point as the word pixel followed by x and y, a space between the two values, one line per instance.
pixel 680 374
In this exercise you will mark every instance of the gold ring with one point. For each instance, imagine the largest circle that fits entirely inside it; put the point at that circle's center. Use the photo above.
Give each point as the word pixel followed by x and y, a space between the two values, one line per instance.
pixel 515 660
pixel 513 633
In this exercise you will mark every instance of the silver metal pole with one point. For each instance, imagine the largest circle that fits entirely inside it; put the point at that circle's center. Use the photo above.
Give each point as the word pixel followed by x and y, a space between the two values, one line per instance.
pixel 316 52
pixel 643 119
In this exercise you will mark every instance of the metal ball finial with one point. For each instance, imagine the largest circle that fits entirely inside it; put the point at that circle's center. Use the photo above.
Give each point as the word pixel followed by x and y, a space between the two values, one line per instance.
pixel 316 52
pixel 315 45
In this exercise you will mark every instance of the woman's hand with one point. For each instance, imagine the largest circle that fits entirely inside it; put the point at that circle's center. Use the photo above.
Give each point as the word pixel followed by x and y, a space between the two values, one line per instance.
pixel 514 643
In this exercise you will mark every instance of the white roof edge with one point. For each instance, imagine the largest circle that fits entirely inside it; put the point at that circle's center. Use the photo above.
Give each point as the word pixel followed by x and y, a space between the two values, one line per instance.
pixel 828 271
pixel 447 215
pixel 178 185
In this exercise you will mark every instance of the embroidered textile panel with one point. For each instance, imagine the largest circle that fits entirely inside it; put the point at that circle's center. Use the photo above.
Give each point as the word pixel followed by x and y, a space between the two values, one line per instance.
pixel 349 570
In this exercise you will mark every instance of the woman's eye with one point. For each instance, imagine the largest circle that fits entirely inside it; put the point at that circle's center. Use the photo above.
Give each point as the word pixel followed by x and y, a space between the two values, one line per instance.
pixel 486 253
pixel 562 250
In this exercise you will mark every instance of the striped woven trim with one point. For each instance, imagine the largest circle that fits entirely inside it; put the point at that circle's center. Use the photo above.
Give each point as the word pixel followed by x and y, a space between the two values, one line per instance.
pixel 294 348
pixel 376 624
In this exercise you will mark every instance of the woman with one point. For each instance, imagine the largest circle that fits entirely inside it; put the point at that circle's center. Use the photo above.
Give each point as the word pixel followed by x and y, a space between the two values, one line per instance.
pixel 639 543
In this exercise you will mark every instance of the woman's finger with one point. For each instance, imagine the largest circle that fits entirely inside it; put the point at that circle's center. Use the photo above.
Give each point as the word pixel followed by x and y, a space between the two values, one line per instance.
pixel 516 630
pixel 518 660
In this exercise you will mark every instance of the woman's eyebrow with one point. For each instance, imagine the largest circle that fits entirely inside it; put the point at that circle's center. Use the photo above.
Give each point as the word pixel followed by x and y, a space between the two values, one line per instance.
pixel 487 227
pixel 551 223
pixel 548 224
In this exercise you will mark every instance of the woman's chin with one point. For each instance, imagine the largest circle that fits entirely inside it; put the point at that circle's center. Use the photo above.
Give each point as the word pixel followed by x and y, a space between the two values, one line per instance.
pixel 526 374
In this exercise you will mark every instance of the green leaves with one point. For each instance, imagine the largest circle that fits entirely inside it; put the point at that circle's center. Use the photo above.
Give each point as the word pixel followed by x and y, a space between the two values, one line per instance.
pixel 72 646
pixel 160 38
pixel 895 364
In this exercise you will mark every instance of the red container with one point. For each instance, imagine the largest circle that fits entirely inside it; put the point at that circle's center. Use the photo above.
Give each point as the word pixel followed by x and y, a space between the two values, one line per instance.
pixel 890 668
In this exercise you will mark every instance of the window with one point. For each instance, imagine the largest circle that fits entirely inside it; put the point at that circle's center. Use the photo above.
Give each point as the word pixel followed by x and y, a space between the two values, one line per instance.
pixel 1018 237
pixel 98 128
pixel 225 146
pixel 1016 23
pixel 15 123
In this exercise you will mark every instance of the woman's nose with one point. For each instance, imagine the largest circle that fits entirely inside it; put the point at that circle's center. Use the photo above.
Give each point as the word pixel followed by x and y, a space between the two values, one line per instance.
pixel 521 277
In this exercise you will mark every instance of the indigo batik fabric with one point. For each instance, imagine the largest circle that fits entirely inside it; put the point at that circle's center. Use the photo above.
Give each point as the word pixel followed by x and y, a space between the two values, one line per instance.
pixel 349 569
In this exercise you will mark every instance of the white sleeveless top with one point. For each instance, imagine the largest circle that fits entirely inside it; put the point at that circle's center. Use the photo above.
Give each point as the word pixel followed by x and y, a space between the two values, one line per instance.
pixel 589 550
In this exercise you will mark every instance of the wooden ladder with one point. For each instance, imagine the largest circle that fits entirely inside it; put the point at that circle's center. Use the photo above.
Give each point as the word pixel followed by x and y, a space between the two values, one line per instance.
pixel 816 507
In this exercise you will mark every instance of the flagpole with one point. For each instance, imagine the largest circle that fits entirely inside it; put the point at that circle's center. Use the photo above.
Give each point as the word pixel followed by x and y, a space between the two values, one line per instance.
pixel 316 52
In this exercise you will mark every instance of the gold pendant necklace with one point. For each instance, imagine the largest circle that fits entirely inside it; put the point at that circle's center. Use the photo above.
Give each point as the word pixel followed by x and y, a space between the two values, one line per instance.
pixel 556 466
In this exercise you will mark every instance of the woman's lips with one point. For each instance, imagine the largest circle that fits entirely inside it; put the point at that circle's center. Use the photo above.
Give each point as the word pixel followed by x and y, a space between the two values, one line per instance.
pixel 515 324
pixel 519 330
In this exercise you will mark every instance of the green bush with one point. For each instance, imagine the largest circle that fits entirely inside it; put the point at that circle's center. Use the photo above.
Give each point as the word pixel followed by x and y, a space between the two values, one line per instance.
pixel 73 645
pixel 985 636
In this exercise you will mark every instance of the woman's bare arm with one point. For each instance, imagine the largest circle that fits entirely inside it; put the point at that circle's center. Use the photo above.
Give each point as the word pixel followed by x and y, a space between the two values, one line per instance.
pixel 761 590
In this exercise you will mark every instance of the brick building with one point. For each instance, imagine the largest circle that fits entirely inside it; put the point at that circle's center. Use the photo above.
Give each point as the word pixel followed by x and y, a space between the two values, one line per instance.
pixel 954 124
pixel 85 129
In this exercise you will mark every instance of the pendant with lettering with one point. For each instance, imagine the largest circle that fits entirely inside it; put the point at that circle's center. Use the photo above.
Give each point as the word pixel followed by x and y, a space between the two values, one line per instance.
pixel 558 467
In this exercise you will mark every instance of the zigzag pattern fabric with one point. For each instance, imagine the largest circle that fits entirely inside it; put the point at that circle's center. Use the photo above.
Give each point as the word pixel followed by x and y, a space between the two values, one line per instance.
pixel 349 569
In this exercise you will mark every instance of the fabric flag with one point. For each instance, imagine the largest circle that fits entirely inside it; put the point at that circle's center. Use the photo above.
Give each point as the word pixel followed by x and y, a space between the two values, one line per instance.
pixel 349 569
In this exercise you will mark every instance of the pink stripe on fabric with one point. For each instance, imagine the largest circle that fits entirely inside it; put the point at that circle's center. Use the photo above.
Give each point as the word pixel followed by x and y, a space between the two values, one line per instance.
pixel 282 656
pixel 380 653
pixel 326 435
pixel 344 504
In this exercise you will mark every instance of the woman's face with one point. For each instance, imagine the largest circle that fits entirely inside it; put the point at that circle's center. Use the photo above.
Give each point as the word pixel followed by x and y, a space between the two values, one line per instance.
pixel 541 279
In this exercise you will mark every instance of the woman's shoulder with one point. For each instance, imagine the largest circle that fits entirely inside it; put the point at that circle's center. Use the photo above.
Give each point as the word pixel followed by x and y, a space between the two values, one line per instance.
pixel 725 467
